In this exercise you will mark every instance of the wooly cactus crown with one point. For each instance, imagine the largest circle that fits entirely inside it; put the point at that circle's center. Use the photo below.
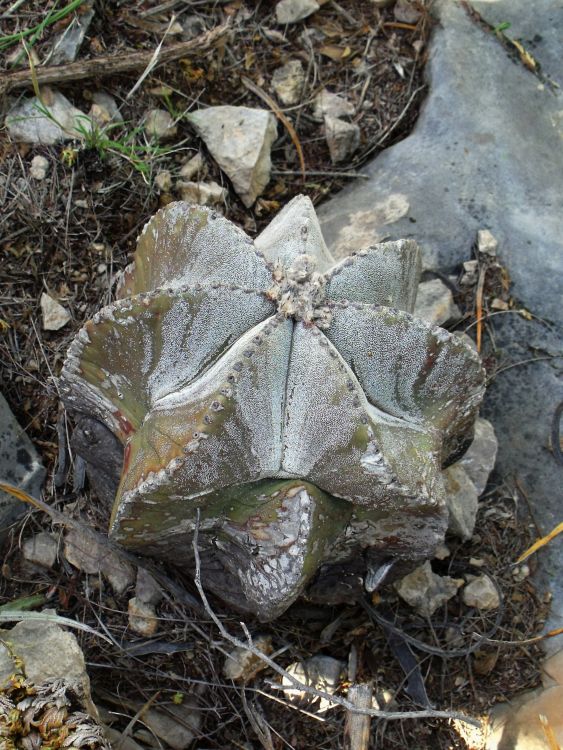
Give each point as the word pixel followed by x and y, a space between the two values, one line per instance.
pixel 292 399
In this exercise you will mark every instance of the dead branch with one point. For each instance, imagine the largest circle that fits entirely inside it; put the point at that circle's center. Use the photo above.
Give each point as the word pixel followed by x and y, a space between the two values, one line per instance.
pixel 109 65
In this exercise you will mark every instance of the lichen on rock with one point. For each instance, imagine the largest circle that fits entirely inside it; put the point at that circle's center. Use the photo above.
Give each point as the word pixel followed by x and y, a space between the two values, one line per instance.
pixel 290 402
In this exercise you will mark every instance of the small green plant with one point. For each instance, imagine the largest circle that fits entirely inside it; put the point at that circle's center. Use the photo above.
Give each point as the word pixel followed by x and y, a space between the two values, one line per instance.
pixel 502 27
pixel 126 145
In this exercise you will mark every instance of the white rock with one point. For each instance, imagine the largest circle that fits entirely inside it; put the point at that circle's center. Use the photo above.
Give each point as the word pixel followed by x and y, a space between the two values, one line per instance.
pixel 333 105
pixel 291 11
pixel 48 121
pixel 462 501
pixel 41 549
pixel 104 109
pixel 55 316
pixel 479 460
pixel 343 138
pixel 425 591
pixel 142 617
pixel 242 665
pixel 147 590
pixel 240 139
pixel 204 193
pixel 487 242
pixel 192 167
pixel 481 593
pixel 320 672
pixel 48 652
pixel 39 168
pixel 435 303
pixel 86 553
pixel 160 125
pixel 406 12
pixel 471 272
pixel 178 727
pixel 163 181
pixel 288 81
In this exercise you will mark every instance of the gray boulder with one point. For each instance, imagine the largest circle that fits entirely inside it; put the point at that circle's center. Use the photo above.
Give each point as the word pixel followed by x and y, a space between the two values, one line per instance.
pixel 486 153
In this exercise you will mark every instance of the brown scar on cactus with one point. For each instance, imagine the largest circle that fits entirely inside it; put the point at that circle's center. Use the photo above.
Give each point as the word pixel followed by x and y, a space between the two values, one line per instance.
pixel 291 399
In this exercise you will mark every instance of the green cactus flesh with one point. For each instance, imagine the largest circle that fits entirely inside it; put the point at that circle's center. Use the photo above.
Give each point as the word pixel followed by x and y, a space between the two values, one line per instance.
pixel 291 403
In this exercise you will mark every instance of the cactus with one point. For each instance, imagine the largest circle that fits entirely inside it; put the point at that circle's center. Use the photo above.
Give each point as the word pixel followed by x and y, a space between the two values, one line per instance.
pixel 290 402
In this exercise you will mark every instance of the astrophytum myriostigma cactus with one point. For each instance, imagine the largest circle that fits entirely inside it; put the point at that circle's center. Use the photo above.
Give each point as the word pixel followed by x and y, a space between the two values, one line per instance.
pixel 290 402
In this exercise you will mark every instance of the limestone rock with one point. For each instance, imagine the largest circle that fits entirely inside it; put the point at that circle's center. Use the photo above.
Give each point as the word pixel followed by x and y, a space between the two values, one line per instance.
pixel 435 303
pixel 47 652
pixel 480 106
pixel 86 553
pixel 147 590
pixel 343 138
pixel 320 672
pixel 406 12
pixel 55 316
pixel 193 167
pixel 552 669
pixel 202 193
pixel 41 549
pixel 20 466
pixel 239 139
pixel 481 593
pixel 479 460
pixel 178 726
pixel 487 242
pixel 425 591
pixel 332 105
pixel 518 726
pixel 107 108
pixel 291 11
pixel 242 665
pixel 159 124
pixel 66 45
pixel 288 81
pixel 163 181
pixel 39 168
pixel 142 617
pixel 461 499
pixel 49 120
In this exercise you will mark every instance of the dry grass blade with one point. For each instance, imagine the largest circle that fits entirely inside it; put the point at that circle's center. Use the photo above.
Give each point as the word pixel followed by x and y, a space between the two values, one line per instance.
pixel 539 543
pixel 18 615
pixel 281 117
pixel 549 733
pixel 479 306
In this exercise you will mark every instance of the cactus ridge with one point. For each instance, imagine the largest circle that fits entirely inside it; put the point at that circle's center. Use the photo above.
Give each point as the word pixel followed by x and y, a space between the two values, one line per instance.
pixel 292 400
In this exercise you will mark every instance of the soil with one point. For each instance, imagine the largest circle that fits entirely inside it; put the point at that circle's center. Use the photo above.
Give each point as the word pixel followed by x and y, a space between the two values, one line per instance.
pixel 70 234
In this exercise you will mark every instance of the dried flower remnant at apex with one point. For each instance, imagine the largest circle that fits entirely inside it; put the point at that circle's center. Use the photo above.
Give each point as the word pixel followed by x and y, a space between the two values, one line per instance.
pixel 292 399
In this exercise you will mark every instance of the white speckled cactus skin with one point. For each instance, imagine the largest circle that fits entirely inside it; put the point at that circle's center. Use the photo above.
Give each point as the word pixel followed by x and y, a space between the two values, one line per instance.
pixel 291 399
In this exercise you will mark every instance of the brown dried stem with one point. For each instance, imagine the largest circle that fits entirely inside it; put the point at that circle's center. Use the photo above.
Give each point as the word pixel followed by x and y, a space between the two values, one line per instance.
pixel 109 65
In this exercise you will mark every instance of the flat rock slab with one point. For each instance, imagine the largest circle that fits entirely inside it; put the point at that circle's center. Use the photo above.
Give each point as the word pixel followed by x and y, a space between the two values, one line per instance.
pixel 486 154
pixel 538 26
pixel 20 466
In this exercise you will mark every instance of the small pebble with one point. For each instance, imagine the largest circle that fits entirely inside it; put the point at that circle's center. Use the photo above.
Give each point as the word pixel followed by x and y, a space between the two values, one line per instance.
pixel 39 167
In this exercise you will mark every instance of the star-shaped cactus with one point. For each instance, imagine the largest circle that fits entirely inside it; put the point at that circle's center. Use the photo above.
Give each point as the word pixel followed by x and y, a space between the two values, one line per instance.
pixel 291 401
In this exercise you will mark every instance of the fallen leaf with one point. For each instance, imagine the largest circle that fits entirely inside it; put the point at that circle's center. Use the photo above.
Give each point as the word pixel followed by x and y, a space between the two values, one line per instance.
pixel 525 56
pixel 335 52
